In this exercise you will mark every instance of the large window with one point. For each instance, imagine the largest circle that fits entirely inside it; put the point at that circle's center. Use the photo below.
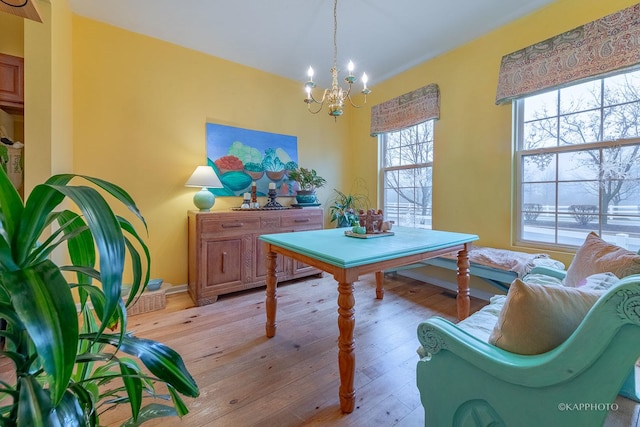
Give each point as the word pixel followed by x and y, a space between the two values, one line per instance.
pixel 578 163
pixel 406 166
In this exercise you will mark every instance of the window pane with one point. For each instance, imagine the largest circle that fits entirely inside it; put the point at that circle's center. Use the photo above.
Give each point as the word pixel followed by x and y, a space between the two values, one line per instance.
pixel 392 157
pixel 580 128
pixel 622 88
pixel 540 134
pixel 540 106
pixel 579 165
pixel 622 121
pixel 539 167
pixel 543 195
pixel 582 97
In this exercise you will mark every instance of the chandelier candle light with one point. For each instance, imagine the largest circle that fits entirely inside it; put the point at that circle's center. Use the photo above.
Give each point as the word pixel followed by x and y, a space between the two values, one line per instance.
pixel 336 96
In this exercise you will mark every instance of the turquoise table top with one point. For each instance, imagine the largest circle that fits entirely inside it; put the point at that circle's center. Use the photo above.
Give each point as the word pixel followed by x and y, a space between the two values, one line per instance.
pixel 333 247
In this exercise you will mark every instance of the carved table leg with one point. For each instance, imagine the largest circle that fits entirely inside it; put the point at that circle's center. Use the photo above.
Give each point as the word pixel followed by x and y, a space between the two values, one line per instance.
pixel 379 284
pixel 272 297
pixel 346 345
pixel 463 300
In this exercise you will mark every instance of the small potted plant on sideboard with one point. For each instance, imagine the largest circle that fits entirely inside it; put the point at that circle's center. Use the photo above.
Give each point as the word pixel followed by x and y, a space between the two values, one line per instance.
pixel 309 181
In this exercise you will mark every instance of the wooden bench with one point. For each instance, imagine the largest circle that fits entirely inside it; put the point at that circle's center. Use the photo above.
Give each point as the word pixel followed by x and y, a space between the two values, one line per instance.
pixel 499 277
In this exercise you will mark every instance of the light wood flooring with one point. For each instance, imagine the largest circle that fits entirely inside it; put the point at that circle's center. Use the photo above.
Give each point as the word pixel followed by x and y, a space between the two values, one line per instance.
pixel 292 379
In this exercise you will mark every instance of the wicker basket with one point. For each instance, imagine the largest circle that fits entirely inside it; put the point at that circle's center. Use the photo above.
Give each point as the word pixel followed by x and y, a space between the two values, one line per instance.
pixel 148 301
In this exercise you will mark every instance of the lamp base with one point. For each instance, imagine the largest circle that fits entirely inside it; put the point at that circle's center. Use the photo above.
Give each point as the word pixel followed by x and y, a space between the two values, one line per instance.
pixel 204 200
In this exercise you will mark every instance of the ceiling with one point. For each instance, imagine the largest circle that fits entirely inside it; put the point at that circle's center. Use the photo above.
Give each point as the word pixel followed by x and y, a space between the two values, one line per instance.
pixel 285 37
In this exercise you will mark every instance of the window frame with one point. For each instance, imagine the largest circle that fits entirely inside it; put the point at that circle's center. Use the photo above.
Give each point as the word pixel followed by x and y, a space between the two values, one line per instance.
pixel 518 136
pixel 382 170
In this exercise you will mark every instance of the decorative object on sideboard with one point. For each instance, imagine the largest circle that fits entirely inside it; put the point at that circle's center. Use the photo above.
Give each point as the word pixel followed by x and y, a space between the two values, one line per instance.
pixel 336 96
pixel 254 196
pixel 206 178
pixel 273 203
pixel 308 181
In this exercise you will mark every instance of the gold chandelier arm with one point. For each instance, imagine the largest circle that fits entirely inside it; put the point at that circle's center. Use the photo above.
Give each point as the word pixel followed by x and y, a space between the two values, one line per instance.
pixel 356 105
pixel 312 100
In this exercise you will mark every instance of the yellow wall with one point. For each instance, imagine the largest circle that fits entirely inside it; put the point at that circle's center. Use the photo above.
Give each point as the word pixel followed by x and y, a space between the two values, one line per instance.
pixel 140 108
pixel 472 174
pixel 11 38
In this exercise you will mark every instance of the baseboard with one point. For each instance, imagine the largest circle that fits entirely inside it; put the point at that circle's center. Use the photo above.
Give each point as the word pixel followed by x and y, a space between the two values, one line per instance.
pixel 176 289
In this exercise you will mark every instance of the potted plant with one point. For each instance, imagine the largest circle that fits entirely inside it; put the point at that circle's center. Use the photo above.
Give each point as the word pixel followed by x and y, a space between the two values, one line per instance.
pixel 71 365
pixel 309 181
pixel 343 208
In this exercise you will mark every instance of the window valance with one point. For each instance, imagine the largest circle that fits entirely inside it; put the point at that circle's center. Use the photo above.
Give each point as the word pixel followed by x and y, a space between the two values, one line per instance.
pixel 406 110
pixel 602 46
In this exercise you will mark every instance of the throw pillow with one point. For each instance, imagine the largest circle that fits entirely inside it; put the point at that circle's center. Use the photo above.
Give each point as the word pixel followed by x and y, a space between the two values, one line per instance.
pixel 598 281
pixel 597 256
pixel 536 318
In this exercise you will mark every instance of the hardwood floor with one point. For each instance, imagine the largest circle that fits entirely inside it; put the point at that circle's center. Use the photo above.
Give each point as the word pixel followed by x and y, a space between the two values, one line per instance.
pixel 292 379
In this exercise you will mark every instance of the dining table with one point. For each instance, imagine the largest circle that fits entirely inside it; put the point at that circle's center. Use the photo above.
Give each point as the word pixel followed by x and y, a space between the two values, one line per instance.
pixel 347 256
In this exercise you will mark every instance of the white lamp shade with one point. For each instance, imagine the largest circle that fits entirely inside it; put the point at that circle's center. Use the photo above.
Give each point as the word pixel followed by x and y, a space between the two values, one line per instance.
pixel 204 176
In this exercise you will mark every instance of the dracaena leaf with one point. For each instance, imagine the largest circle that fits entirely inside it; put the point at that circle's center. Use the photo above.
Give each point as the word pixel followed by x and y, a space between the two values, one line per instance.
pixel 42 300
pixel 164 362
pixel 34 408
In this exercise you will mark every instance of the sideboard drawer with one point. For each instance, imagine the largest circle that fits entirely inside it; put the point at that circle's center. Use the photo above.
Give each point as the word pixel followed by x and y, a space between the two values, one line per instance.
pixel 302 219
pixel 214 225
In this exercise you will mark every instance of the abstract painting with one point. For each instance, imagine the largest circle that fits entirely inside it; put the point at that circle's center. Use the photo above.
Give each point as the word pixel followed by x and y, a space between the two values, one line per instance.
pixel 243 156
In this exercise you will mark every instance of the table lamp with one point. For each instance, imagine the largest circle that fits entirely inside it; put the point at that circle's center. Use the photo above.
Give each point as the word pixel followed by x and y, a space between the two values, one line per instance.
pixel 205 177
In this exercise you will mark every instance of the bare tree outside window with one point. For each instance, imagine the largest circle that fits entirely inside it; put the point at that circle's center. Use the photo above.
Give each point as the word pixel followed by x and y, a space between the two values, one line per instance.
pixel 406 167
pixel 579 159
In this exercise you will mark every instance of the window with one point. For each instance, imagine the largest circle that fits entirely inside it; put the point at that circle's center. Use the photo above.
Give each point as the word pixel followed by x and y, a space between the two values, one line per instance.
pixel 578 163
pixel 406 167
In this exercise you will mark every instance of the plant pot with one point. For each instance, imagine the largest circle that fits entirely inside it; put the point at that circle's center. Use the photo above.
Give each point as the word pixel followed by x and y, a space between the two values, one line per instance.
pixel 305 197
pixel 343 222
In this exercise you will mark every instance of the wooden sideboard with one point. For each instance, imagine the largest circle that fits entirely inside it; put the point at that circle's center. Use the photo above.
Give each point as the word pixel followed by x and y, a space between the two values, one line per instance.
pixel 225 254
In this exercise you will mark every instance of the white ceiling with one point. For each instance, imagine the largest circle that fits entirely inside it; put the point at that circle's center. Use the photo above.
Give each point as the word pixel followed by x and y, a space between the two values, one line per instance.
pixel 284 37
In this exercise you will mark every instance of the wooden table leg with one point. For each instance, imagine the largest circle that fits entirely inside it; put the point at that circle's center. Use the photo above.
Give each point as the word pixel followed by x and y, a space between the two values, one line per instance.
pixel 463 300
pixel 346 345
pixel 379 284
pixel 272 297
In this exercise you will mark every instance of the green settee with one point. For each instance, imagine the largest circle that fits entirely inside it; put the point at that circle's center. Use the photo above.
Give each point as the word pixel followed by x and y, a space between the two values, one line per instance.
pixel 566 371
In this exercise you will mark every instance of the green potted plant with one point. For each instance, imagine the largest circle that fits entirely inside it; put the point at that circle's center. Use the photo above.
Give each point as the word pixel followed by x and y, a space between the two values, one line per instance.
pixel 71 364
pixel 309 181
pixel 343 208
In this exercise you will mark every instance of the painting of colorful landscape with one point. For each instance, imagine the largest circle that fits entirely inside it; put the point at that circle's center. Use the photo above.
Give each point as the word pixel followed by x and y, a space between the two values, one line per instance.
pixel 243 156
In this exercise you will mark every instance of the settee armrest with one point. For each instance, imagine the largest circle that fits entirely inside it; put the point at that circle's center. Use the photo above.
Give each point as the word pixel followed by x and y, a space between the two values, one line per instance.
pixel 549 271
pixel 437 334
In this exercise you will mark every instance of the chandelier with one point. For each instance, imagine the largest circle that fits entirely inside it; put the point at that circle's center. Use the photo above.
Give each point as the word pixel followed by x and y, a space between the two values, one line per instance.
pixel 336 96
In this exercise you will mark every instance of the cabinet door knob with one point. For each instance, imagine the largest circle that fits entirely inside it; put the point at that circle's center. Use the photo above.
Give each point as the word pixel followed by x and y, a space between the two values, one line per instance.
pixel 301 220
pixel 234 225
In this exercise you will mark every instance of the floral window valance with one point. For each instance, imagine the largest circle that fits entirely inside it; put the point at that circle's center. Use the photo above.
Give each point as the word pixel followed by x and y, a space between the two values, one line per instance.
pixel 602 46
pixel 406 110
